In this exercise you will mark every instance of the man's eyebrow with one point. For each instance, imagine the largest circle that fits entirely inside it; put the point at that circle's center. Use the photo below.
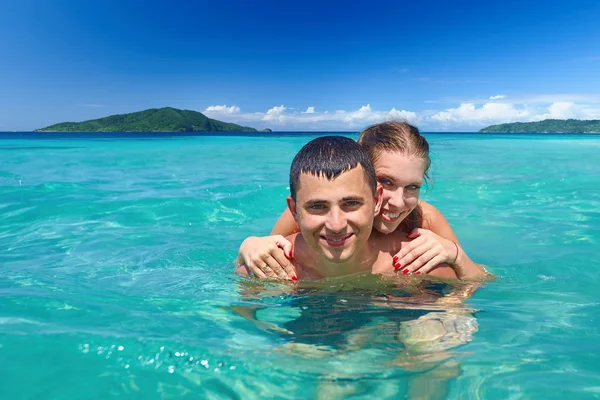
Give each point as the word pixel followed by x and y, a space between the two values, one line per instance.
pixel 348 198
pixel 312 201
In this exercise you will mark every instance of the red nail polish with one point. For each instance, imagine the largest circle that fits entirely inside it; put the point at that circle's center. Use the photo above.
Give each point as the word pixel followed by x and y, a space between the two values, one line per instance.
pixel 395 259
pixel 405 271
pixel 418 273
pixel 397 266
pixel 294 278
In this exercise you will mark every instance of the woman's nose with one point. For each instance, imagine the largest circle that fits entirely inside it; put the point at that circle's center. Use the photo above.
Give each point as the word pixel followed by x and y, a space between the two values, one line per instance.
pixel 396 200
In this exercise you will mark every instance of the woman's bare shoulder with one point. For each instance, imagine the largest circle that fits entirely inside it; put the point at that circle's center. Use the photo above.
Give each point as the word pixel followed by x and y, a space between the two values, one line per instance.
pixel 434 220
pixel 430 215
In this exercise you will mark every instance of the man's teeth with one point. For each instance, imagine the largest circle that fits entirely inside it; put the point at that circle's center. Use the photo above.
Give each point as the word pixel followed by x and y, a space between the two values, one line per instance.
pixel 336 239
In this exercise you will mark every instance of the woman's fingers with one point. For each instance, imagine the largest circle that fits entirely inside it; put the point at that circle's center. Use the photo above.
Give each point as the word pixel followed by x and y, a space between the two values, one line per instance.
pixel 399 259
pixel 419 261
pixel 411 252
pixel 289 270
pixel 285 245
pixel 256 270
pixel 422 254
pixel 430 265
pixel 274 265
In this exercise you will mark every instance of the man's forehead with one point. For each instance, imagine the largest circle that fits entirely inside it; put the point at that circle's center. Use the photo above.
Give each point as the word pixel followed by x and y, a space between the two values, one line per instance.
pixel 349 183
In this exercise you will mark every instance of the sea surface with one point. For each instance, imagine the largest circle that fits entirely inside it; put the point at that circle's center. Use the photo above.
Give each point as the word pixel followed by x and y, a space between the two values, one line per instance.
pixel 116 258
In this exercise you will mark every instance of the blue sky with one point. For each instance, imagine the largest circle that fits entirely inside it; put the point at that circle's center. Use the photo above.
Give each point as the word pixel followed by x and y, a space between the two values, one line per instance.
pixel 338 65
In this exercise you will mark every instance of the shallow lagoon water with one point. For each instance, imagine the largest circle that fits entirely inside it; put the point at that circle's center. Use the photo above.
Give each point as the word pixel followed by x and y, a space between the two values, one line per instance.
pixel 116 258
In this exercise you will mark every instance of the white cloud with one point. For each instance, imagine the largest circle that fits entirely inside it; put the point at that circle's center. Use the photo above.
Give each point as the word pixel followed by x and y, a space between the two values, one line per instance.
pixel 276 110
pixel 469 113
pixel 394 114
pixel 466 115
pixel 560 110
pixel 474 117
pixel 222 109
pixel 525 99
pixel 275 114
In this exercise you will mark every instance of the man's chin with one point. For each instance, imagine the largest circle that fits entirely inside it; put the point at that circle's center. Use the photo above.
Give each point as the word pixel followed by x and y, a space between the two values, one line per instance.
pixel 337 255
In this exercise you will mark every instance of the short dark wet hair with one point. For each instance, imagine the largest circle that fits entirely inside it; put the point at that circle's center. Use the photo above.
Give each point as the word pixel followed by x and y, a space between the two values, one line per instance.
pixel 329 157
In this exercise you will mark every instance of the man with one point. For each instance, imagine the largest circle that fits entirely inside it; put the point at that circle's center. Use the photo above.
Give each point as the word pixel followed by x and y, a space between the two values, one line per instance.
pixel 334 199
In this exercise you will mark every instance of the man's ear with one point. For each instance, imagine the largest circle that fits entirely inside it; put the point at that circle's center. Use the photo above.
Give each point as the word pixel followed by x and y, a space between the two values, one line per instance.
pixel 378 199
pixel 292 207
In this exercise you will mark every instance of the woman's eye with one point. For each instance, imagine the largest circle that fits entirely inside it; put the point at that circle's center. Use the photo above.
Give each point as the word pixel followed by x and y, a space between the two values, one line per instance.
pixel 413 187
pixel 385 182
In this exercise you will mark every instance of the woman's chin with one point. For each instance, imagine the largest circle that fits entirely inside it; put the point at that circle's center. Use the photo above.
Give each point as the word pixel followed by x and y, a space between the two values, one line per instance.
pixel 385 227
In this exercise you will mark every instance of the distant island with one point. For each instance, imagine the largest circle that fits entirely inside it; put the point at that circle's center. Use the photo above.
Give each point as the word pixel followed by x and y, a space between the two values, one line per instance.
pixel 166 119
pixel 547 126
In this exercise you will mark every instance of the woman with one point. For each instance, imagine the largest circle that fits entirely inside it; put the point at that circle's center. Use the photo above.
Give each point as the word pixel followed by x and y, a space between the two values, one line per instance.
pixel 400 155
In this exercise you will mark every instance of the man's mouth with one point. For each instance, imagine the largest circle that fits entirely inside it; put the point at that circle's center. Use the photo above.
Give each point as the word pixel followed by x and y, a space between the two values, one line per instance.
pixel 337 240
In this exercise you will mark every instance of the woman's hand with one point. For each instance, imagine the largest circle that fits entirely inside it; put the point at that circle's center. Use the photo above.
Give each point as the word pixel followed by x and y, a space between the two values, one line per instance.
pixel 268 257
pixel 424 252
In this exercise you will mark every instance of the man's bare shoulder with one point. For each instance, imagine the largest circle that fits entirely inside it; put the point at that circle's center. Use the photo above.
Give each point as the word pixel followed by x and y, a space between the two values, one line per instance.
pixel 298 244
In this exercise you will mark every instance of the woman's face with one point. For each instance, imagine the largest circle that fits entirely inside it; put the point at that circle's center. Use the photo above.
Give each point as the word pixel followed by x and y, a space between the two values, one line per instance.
pixel 401 177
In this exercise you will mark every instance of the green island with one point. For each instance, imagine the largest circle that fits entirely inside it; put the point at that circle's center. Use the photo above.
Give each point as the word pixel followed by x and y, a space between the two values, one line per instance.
pixel 166 119
pixel 547 126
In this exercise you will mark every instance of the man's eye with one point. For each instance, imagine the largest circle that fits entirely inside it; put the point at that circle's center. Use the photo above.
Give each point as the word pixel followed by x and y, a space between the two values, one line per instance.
pixel 316 207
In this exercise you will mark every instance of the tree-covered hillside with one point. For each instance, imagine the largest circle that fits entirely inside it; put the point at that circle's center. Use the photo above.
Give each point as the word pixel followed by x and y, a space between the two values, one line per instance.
pixel 165 119
pixel 547 126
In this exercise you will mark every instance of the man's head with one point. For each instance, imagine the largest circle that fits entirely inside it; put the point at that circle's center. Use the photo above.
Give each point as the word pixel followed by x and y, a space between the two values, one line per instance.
pixel 329 157
pixel 334 196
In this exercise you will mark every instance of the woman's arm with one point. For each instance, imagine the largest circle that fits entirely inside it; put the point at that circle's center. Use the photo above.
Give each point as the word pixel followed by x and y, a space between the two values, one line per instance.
pixel 435 221
pixel 286 224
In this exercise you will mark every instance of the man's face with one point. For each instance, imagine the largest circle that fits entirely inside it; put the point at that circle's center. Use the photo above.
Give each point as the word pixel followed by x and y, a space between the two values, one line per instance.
pixel 335 217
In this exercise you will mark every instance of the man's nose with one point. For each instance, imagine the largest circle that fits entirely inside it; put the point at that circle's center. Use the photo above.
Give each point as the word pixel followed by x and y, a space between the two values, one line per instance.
pixel 336 222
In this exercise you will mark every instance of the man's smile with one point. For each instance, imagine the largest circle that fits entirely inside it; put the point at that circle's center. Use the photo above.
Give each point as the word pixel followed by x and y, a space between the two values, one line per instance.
pixel 336 240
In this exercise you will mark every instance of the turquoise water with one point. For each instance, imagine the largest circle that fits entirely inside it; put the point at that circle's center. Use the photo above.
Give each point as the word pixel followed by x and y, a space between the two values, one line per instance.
pixel 116 259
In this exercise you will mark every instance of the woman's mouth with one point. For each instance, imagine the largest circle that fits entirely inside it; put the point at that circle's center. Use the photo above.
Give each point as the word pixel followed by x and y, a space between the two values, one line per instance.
pixel 390 216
